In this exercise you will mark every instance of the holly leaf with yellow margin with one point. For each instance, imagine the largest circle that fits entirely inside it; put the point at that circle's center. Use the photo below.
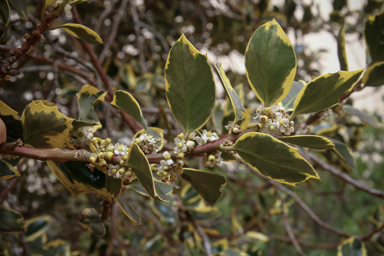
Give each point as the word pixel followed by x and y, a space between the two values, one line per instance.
pixel 44 126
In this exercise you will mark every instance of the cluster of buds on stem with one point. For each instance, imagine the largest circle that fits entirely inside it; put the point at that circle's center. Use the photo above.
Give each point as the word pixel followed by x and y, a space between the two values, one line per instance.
pixel 104 152
pixel 273 120
pixel 169 168
pixel 147 143
pixel 81 137
pixel 212 158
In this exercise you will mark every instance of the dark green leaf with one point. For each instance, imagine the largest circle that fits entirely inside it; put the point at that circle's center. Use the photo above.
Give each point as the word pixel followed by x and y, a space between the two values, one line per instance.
pixel 12 122
pixel 270 63
pixel 373 76
pixel 207 184
pixel 7 171
pixel 190 87
pixel 11 221
pixel 5 12
pixel 309 141
pixel 324 91
pixel 128 210
pixel 217 117
pixel 36 227
pixel 126 102
pixel 374 37
pixel 21 8
pixel 86 98
pixel 344 152
pixel 273 158
pixel 90 220
pixel 114 186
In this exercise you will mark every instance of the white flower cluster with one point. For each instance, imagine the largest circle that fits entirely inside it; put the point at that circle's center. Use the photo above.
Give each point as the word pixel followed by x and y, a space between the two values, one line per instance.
pixel 273 120
pixel 67 8
pixel 168 168
pixel 147 143
pixel 81 137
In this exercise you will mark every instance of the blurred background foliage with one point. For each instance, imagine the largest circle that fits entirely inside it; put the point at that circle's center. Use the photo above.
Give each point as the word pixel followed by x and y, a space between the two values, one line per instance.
pixel 249 219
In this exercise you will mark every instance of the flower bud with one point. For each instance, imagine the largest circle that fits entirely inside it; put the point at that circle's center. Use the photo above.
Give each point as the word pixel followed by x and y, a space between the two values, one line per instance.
pixel 180 155
pixel 291 123
pixel 180 136
pixel 94 140
pixel 121 171
pixel 92 160
pixel 281 122
pixel 101 155
pixel 92 148
pixel 165 178
pixel 124 157
pixel 108 141
pixel 102 163
pixel 122 162
pixel 209 134
pixel 166 168
pixel 264 119
pixel 160 174
pixel 137 141
pixel 267 110
pixel 271 128
pixel 179 145
pixel 129 173
pixel 236 130
pixel 114 171
pixel 281 109
pixel 190 144
pixel 109 155
pixel 167 157
pixel 211 158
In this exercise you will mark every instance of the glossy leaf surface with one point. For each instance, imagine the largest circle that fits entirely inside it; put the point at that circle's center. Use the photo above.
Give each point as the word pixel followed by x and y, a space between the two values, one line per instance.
pixel 44 126
pixel 309 141
pixel 140 166
pixel 207 184
pixel 90 220
pixel 86 99
pixel 373 76
pixel 7 171
pixel 324 91
pixel 21 8
pixel 374 37
pixel 270 63
pixel 11 221
pixel 82 32
pixel 189 84
pixel 273 158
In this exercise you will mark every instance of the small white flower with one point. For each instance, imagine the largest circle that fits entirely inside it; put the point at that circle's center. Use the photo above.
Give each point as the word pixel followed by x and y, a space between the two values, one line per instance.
pixel 218 157
pixel 190 144
pixel 192 136
pixel 120 149
pixel 180 146
pixel 163 163
pixel 169 161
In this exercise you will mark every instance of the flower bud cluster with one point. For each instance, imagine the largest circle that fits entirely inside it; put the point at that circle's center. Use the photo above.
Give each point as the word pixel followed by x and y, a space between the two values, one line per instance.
pixel 169 168
pixel 212 158
pixel 67 8
pixel 235 129
pixel 81 137
pixel 205 137
pixel 104 152
pixel 273 120
pixel 147 143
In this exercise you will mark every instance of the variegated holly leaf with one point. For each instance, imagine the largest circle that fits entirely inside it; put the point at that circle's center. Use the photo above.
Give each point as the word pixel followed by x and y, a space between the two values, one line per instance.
pixel 324 91
pixel 351 247
pixel 373 76
pixel 11 221
pixel 86 98
pixel 128 210
pixel 207 184
pixel 82 32
pixel 36 227
pixel 190 86
pixel 273 158
pixel 90 220
pixel 235 100
pixel 374 37
pixel 5 14
pixel 270 63
pixel 309 141
pixel 7 171
pixel 12 122
pixel 44 126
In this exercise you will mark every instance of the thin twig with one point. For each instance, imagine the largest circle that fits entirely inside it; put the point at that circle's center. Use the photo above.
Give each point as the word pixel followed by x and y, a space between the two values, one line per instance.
pixel 202 234
pixel 346 177
pixel 370 234
pixel 303 206
pixel 288 228
pixel 113 34
pixel 104 15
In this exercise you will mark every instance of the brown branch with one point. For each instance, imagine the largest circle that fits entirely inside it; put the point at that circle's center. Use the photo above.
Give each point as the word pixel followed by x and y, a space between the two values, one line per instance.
pixel 202 234
pixel 346 177
pixel 58 155
pixel 370 234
